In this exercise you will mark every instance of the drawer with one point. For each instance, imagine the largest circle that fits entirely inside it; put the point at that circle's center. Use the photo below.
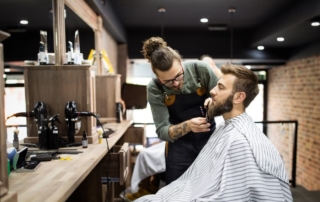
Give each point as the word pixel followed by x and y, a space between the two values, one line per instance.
pixel 118 164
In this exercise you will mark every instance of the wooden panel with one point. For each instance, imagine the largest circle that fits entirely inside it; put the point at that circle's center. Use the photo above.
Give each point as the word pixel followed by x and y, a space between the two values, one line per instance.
pixel 108 193
pixel 108 92
pixel 55 86
pixel 3 136
pixel 123 61
pixel 98 44
pixel 81 8
pixel 90 189
pixel 59 32
pixel 134 135
pixel 118 166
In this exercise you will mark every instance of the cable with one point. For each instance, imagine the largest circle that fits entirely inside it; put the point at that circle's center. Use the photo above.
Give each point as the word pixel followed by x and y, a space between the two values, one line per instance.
pixel 109 156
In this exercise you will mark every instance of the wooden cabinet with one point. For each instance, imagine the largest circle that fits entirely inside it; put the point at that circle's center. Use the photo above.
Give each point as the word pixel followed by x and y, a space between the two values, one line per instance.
pixel 135 135
pixel 108 92
pixel 118 164
pixel 55 86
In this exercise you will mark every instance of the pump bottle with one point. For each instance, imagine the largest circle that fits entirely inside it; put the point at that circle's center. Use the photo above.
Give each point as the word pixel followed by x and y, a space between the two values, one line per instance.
pixel 84 140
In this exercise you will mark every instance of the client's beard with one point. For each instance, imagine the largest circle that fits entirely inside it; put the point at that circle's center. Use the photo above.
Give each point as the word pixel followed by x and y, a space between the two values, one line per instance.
pixel 220 108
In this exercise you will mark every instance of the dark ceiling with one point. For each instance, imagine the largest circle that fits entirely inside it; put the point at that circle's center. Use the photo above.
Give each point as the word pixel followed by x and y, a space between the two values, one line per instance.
pixel 255 22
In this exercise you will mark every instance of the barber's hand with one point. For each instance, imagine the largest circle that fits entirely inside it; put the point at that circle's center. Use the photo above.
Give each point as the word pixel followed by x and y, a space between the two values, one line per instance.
pixel 207 102
pixel 198 125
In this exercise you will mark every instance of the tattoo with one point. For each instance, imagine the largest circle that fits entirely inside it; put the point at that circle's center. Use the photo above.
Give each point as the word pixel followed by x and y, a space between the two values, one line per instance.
pixel 185 128
pixel 179 130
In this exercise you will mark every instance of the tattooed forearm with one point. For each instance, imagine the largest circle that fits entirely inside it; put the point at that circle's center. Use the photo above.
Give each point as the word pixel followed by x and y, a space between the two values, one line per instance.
pixel 179 130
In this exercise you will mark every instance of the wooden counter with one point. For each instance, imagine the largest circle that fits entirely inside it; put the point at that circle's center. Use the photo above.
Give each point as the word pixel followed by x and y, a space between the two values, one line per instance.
pixel 57 180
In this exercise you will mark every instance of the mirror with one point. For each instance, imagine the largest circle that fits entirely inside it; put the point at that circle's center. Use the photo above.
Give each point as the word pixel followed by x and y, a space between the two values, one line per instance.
pixel 23 44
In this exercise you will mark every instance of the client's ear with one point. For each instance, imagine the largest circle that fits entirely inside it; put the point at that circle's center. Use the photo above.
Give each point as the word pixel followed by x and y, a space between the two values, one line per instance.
pixel 239 97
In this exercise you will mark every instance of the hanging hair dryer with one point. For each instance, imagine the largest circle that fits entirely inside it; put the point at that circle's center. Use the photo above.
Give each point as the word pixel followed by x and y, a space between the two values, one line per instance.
pixel 40 111
pixel 72 116
pixel 39 108
pixel 40 117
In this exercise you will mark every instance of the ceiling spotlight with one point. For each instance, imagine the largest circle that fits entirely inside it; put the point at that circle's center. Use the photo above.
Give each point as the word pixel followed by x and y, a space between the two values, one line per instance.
pixel 204 20
pixel 315 24
pixel 280 39
pixel 248 66
pixel 162 10
pixel 260 47
pixel 232 10
pixel 24 22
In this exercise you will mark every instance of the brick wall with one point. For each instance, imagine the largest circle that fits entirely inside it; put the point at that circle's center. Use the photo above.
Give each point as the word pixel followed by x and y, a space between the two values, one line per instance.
pixel 294 94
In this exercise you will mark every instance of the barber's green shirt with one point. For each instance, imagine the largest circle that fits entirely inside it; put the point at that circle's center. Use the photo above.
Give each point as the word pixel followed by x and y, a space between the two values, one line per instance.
pixel 160 111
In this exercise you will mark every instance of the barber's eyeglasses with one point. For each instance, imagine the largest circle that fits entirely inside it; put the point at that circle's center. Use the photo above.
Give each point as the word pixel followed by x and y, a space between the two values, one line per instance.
pixel 169 83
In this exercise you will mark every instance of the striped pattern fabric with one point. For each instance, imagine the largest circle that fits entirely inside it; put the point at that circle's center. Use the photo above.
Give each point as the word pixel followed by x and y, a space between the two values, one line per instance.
pixel 237 164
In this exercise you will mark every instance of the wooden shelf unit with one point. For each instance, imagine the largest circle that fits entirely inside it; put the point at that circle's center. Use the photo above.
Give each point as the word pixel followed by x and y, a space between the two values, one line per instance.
pixel 55 85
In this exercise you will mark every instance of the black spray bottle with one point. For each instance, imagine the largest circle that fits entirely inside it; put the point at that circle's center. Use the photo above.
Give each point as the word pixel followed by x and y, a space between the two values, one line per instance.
pixel 53 133
pixel 43 133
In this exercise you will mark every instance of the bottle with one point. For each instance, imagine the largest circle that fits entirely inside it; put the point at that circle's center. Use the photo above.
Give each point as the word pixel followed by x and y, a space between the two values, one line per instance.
pixel 84 140
pixel 118 112
pixel 16 139
pixel 70 54
pixel 42 59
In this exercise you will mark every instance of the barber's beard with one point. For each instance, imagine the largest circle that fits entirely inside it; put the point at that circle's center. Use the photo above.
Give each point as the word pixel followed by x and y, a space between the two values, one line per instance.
pixel 220 108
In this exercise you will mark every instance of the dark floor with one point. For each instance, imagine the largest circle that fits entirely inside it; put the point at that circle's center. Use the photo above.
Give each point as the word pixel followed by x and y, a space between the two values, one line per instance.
pixel 300 194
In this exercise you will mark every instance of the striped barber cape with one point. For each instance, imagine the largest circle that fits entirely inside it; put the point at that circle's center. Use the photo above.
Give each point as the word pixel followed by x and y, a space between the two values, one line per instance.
pixel 239 163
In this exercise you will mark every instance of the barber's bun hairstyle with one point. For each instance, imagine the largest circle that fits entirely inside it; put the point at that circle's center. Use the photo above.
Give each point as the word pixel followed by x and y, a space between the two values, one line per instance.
pixel 151 45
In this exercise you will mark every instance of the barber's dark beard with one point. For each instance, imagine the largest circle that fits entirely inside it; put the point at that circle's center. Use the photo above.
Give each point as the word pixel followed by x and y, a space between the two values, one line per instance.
pixel 220 108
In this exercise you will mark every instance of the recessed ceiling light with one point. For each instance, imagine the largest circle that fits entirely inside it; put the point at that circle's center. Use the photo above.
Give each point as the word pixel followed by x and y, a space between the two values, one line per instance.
pixel 260 47
pixel 248 66
pixel 24 22
pixel 280 39
pixel 204 20
pixel 162 10
pixel 315 24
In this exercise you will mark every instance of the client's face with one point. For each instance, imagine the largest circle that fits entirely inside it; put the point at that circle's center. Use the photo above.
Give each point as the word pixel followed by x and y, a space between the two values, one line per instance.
pixel 222 97
pixel 219 108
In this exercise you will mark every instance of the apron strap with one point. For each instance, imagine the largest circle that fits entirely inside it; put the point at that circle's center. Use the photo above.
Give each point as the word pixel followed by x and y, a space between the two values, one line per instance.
pixel 197 74
pixel 156 81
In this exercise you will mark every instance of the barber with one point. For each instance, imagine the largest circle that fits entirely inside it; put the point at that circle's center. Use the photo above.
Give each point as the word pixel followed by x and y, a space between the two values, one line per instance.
pixel 177 99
